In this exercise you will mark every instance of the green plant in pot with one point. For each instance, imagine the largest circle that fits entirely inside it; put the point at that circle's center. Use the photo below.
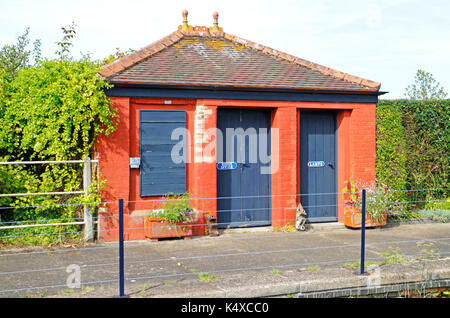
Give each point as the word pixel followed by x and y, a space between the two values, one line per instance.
pixel 171 217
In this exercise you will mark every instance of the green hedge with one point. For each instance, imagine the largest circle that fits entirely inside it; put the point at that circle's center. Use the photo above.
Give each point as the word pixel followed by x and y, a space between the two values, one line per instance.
pixel 391 146
pixel 413 146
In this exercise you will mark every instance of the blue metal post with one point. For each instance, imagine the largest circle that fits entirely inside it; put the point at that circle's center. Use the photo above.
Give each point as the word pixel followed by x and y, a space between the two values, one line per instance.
pixel 121 255
pixel 363 230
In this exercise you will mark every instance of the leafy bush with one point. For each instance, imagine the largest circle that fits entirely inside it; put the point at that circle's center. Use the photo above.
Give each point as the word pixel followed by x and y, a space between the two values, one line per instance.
pixel 442 204
pixel 436 215
pixel 52 111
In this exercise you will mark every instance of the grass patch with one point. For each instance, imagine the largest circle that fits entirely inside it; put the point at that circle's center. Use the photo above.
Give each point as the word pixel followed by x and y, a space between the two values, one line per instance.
pixel 192 270
pixel 285 229
pixel 395 257
pixel 358 264
pixel 87 289
pixel 428 252
pixel 205 277
pixel 277 272
pixel 170 282
pixel 440 294
pixel 143 292
pixel 41 240
pixel 313 268
pixel 43 293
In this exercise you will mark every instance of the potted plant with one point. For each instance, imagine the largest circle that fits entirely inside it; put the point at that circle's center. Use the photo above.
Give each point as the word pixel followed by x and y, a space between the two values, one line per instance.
pixel 171 217
pixel 378 203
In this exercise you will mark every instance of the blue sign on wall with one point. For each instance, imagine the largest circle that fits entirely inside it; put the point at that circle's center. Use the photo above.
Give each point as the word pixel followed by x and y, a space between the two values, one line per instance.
pixel 226 165
pixel 315 164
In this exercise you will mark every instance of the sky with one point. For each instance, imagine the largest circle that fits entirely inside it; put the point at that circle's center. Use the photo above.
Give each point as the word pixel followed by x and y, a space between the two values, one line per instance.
pixel 382 40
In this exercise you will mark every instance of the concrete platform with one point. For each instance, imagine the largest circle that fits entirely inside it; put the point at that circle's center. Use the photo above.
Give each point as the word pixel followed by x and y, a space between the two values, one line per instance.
pixel 256 263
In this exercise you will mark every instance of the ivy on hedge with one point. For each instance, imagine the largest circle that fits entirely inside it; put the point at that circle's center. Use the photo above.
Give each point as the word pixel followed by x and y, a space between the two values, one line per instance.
pixel 52 111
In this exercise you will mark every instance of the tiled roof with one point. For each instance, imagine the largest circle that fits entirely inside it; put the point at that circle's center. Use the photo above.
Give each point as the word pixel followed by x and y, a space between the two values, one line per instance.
pixel 200 56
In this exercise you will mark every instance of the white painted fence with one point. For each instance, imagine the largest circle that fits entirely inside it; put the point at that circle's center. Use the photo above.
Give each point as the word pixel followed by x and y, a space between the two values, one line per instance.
pixel 87 180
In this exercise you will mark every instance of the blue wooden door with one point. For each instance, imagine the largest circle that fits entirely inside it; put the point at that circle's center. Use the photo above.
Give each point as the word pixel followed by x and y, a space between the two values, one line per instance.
pixel 318 165
pixel 244 191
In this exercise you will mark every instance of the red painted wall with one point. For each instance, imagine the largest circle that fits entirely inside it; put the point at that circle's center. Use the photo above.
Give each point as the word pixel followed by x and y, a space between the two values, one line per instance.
pixel 356 157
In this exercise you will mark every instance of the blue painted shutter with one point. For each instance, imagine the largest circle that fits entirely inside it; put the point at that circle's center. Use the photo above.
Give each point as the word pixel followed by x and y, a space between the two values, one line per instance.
pixel 159 174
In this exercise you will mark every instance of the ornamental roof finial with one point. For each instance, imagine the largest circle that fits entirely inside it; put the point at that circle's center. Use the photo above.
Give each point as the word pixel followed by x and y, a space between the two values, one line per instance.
pixel 185 15
pixel 216 19
pixel 185 27
pixel 215 29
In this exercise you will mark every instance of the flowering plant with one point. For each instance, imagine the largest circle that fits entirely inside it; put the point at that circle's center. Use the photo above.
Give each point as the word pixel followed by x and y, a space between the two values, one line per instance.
pixel 174 209
pixel 380 199
pixel 352 189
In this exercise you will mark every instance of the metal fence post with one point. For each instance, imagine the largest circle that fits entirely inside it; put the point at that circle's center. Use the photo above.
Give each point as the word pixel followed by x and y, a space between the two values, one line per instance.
pixel 121 254
pixel 363 230
pixel 88 219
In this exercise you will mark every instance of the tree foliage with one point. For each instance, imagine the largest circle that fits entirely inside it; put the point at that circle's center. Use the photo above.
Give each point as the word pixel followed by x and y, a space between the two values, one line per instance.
pixel 425 87
pixel 66 42
pixel 17 56
pixel 118 54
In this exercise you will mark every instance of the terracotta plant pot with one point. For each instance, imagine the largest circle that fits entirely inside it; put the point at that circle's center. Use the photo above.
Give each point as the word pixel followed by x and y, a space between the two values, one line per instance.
pixel 353 218
pixel 156 228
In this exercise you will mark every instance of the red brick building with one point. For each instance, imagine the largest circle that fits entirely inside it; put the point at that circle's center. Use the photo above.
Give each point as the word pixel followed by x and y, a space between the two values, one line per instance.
pixel 320 125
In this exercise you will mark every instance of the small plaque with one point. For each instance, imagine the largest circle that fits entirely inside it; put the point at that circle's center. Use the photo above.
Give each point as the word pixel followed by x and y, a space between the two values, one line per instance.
pixel 316 164
pixel 226 165
pixel 135 162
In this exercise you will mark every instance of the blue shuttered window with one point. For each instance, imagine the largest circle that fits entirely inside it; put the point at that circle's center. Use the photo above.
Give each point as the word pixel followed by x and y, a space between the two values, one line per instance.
pixel 159 174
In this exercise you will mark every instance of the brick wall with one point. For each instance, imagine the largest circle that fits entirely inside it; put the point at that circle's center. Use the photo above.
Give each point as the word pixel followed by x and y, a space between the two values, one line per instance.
pixel 363 143
pixel 284 165
pixel 114 152
pixel 356 156
pixel 203 184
